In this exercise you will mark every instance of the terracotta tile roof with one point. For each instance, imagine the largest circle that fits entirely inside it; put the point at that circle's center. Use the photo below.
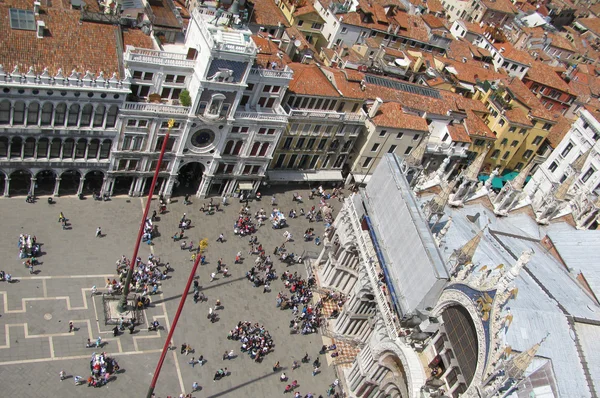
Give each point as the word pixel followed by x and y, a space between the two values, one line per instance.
pixel 435 81
pixel 68 43
pixel 513 54
pixel 266 13
pixel 411 26
pixel 476 127
pixel 527 98
pixel 592 24
pixel 137 38
pixel 504 6
pixel 294 33
pixel 458 133
pixel 558 131
pixel 546 75
pixel 473 27
pixel 306 8
pixel 183 11
pixel 163 15
pixel 390 114
pixel 595 9
pixel 309 80
pixel 472 71
pixel 268 52
pixel 591 82
pixel 347 82
pixel 560 41
pixel 517 115
pixel 459 49
pixel 434 6
pixel 458 103
pixel 409 101
pixel 432 21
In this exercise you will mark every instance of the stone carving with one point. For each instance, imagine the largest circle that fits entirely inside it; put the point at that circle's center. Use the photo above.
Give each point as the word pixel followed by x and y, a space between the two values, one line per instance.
pixel 222 75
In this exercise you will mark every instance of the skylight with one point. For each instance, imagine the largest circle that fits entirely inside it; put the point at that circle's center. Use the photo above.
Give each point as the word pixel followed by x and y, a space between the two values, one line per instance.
pixel 22 19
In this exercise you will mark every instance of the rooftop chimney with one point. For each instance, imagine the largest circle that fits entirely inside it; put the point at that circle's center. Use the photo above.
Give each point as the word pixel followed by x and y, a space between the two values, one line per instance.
pixel 375 107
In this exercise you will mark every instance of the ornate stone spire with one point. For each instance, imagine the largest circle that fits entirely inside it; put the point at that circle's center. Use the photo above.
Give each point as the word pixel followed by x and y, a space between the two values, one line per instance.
pixel 472 172
pixel 517 365
pixel 465 254
pixel 563 188
pixel 415 158
pixel 437 204
pixel 519 180
pixel 580 161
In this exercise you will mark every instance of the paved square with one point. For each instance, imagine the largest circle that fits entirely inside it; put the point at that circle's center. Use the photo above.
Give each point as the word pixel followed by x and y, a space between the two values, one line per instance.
pixel 35 343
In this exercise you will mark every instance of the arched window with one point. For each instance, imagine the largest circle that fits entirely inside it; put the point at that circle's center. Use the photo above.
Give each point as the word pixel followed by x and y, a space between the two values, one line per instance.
pixel 111 117
pixel 215 105
pixel 264 149
pixel 228 147
pixel 238 147
pixel 254 149
pixel 42 148
pixel 55 148
pixel 80 148
pixel 73 115
pixel 33 113
pixel 3 147
pixel 105 149
pixel 15 147
pixel 60 114
pixel 29 150
pixel 19 113
pixel 93 149
pixel 5 112
pixel 68 148
pixel 99 116
pixel 47 114
pixel 86 115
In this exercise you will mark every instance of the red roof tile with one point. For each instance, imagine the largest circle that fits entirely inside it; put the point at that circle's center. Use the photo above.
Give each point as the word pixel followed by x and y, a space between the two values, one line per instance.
pixel 309 80
pixel 476 126
pixel 558 131
pixel 68 43
pixel 266 13
pixel 504 6
pixel 458 133
pixel 527 98
pixel 137 38
pixel 513 54
pixel 546 75
pixel 390 114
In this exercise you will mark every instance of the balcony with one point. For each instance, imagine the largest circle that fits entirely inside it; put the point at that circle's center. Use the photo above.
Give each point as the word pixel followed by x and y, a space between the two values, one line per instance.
pixel 447 149
pixel 156 108
pixel 285 73
pixel 261 116
pixel 327 115
pixel 155 57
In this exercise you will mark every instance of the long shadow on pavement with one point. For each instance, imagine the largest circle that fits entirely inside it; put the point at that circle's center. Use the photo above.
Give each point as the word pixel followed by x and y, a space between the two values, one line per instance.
pixel 247 383
pixel 211 286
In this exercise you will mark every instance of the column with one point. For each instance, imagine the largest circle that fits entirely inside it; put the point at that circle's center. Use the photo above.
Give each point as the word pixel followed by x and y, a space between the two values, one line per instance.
pixel 144 181
pixel 169 187
pixel 32 185
pixel 204 187
pixel 80 188
pixel 132 187
pixel 6 186
pixel 56 186
pixel 104 187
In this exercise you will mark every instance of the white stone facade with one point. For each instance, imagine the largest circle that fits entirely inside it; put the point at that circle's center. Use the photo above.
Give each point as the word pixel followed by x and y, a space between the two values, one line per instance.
pixel 223 141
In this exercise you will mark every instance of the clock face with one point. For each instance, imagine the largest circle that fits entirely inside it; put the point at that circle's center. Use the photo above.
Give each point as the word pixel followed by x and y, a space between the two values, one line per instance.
pixel 202 138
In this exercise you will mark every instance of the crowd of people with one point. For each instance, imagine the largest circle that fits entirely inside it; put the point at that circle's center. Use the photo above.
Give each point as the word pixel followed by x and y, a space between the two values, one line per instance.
pixel 101 369
pixel 244 224
pixel 256 340
pixel 147 276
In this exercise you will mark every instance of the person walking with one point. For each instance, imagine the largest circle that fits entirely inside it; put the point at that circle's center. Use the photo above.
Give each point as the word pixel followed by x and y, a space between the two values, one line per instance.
pixel 193 362
pixel 62 375
pixel 315 371
pixel 77 380
pixel 71 327
pixel 98 232
pixel 220 238
pixel 195 386
pixel 212 276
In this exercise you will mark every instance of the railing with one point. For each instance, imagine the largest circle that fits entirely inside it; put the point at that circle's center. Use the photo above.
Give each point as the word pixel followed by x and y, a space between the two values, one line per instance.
pixel 327 115
pixel 382 302
pixel 261 116
pixel 285 73
pixel 86 80
pixel 158 57
pixel 156 108
pixel 216 37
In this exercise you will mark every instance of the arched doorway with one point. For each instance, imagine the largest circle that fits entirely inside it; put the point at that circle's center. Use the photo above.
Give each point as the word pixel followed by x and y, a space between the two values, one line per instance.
pixel 20 182
pixel 189 179
pixel 93 182
pixel 45 181
pixel 69 182
pixel 122 185
pixel 159 183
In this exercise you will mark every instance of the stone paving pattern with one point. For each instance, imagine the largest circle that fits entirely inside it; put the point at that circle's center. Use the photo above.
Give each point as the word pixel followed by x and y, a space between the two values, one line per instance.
pixel 35 344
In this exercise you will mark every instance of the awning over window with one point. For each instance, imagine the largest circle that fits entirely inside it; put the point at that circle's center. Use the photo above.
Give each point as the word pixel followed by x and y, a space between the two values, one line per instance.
pixel 246 186
pixel 299 175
